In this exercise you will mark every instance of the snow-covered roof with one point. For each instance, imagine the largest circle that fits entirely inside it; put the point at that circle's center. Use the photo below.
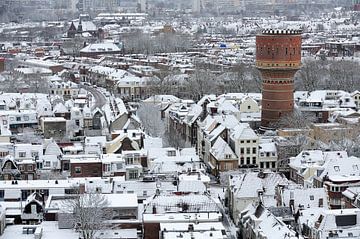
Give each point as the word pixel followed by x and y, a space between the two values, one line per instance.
pixel 243 131
pixel 222 151
pixel 100 47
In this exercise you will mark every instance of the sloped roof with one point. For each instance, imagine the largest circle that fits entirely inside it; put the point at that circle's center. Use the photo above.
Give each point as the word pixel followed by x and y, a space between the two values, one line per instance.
pixel 221 149
pixel 53 149
pixel 60 108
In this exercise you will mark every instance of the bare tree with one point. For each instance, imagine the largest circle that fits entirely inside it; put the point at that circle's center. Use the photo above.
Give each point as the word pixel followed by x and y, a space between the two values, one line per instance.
pixel 296 119
pixel 172 138
pixel 88 213
pixel 243 78
pixel 200 83
pixel 311 75
pixel 343 75
pixel 151 119
pixel 348 140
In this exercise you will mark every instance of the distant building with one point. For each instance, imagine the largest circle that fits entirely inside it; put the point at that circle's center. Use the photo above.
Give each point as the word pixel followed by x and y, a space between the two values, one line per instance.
pixel 2 64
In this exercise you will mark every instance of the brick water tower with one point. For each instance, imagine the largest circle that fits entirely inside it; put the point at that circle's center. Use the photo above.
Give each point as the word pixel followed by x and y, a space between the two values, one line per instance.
pixel 278 57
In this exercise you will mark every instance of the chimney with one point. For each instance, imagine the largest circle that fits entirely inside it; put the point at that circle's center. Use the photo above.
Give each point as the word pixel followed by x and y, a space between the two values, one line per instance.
pixel 82 188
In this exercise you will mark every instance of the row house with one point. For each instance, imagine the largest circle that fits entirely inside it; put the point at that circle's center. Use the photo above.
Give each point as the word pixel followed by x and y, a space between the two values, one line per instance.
pixel 319 104
pixel 15 190
pixel 182 120
pixel 356 97
pixel 211 128
pixel 113 165
pixel 222 157
pixel 67 90
pixel 268 157
pixel 336 175
pixel 256 221
pixel 238 140
pixel 340 223
pixel 82 166
pixel 21 118
pixel 248 188
pixel 297 197
pixel 136 161
pixel 305 166
pixel 245 143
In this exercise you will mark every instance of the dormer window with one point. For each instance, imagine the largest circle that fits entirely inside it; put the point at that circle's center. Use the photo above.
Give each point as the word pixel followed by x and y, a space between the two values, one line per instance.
pixel 337 168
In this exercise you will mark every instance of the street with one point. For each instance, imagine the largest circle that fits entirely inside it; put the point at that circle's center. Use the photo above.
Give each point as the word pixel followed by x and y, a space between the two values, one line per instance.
pixel 100 99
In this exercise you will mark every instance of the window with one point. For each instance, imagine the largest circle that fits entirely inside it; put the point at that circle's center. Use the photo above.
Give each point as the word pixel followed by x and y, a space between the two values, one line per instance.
pixel 26 118
pixel 5 122
pixel 261 164
pixel 312 197
pixel 22 154
pixel 336 168
pixel 254 160
pixel 241 150
pixel 77 169
pixel 119 166
pixel 107 167
pixel 24 194
pixel 18 118
pixel 144 193
pixel 249 107
pixel 1 195
pixel 247 160
pixel 171 153
pixel 242 141
pixel 47 164
pixel 248 141
pixel 34 154
pixel 30 168
pixel 248 150
pixel 133 174
pixel 273 164
pixel 254 150
pixel 66 166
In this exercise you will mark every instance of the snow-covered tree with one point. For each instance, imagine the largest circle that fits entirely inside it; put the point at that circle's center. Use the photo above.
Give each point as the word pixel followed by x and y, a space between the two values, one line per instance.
pixel 151 122
pixel 88 213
